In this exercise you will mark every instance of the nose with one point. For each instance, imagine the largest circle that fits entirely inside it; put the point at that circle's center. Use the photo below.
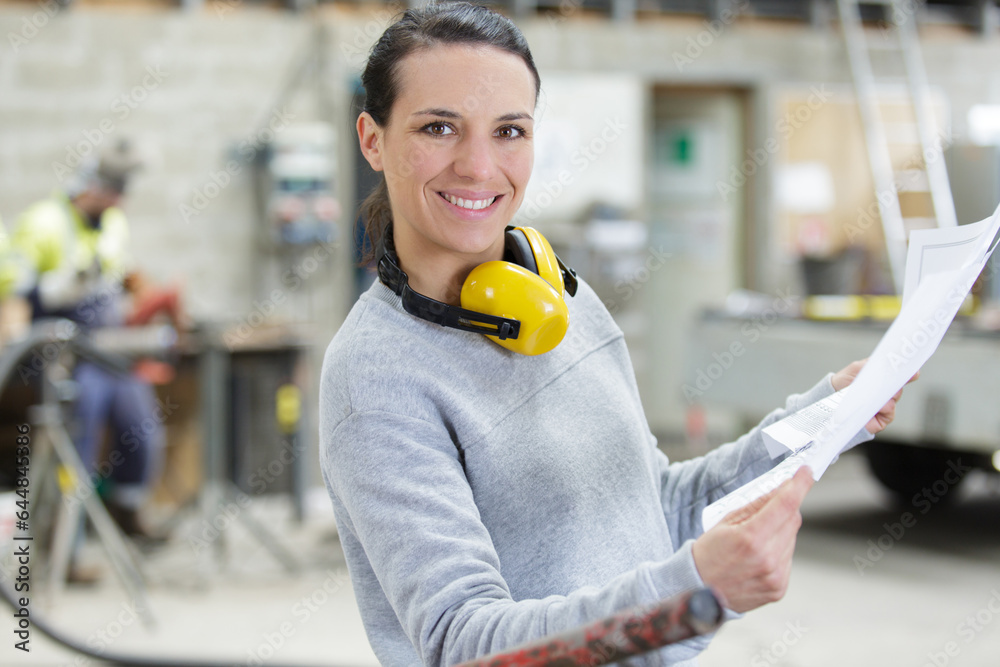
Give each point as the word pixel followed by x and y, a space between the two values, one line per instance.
pixel 475 159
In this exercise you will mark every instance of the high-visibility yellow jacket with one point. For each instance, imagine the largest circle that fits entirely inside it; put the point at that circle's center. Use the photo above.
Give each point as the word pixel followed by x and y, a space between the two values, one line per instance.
pixel 8 264
pixel 67 259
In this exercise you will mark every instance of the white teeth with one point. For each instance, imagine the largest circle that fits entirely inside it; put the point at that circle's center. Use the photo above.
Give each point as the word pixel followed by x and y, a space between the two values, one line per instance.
pixel 471 204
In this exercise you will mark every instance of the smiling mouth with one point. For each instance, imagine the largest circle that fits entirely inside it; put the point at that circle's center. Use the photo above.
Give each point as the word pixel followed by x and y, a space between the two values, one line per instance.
pixel 468 204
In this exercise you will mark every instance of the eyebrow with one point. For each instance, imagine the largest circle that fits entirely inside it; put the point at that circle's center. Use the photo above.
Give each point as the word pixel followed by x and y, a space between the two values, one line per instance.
pixel 448 113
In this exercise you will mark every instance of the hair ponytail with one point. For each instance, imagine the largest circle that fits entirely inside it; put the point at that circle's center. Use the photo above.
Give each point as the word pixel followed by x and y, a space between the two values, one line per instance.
pixel 376 216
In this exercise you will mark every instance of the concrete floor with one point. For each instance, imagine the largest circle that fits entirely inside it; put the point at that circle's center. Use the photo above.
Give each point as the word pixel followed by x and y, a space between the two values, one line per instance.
pixel 925 601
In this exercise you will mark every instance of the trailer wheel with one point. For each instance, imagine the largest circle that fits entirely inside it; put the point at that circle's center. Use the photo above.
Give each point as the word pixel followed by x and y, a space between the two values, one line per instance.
pixel 910 470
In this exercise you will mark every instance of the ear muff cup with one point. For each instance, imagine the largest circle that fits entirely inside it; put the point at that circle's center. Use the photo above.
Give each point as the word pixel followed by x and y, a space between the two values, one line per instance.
pixel 528 289
pixel 507 290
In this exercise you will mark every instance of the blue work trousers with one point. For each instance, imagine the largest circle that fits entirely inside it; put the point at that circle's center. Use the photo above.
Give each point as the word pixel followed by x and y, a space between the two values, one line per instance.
pixel 127 406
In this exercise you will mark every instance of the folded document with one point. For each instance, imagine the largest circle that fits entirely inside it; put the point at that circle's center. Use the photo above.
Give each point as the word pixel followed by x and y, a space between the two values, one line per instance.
pixel 800 429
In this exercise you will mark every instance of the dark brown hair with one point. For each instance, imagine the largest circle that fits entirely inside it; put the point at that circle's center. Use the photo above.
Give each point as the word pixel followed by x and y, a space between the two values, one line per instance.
pixel 421 28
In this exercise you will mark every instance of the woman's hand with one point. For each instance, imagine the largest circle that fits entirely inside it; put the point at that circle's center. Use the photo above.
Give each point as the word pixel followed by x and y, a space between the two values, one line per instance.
pixel 885 416
pixel 747 557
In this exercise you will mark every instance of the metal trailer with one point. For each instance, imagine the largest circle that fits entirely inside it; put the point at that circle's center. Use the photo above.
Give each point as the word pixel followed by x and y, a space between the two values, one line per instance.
pixel 750 364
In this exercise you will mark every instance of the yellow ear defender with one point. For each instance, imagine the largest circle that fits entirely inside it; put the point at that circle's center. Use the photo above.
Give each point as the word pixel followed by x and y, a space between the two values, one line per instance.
pixel 516 302
pixel 529 289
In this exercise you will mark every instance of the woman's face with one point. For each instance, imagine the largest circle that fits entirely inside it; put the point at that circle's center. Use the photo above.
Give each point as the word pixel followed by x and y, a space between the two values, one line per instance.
pixel 457 150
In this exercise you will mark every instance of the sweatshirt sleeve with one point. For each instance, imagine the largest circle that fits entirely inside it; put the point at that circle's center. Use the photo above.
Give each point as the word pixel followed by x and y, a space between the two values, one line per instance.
pixel 404 498
pixel 689 486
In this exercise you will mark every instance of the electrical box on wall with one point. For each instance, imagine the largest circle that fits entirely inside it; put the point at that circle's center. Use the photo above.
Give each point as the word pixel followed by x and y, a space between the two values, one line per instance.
pixel 301 207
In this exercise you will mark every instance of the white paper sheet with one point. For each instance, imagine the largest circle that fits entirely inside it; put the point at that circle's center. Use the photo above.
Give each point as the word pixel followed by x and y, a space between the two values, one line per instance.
pixel 800 429
pixel 933 251
pixel 906 346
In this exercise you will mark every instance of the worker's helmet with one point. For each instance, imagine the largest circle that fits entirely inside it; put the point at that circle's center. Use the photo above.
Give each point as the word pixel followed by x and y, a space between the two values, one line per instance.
pixel 111 171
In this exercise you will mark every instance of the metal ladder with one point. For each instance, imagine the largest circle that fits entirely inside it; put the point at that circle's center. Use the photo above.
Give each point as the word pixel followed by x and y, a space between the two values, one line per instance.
pixel 921 179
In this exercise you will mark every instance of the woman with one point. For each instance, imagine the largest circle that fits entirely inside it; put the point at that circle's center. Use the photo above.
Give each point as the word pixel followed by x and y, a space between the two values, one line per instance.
pixel 485 497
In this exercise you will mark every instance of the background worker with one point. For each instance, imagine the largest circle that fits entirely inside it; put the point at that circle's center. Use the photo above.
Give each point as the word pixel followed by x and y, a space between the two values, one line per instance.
pixel 74 245
pixel 12 307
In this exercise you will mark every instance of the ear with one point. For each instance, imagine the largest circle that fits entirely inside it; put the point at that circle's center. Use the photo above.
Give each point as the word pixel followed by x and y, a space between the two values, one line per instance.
pixel 370 138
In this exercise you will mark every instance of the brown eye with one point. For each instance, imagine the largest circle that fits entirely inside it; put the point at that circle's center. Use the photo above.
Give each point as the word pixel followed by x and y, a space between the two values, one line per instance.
pixel 510 132
pixel 438 129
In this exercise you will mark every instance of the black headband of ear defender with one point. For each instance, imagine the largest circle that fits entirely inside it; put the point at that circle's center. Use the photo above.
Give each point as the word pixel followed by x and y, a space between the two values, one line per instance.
pixel 438 312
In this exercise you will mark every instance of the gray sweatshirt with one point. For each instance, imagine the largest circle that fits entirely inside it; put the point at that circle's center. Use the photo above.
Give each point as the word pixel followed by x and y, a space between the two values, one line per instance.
pixel 485 498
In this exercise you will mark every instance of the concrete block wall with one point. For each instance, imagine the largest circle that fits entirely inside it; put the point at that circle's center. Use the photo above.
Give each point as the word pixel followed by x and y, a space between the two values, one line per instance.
pixel 194 91
pixel 190 88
